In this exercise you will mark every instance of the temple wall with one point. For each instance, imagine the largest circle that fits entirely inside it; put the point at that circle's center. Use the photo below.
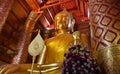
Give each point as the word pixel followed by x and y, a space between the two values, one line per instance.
pixel 104 23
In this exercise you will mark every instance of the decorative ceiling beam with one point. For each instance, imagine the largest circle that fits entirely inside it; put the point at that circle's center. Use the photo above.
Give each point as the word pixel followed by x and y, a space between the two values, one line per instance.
pixel 50 14
pixel 77 4
pixel 37 7
pixel 51 5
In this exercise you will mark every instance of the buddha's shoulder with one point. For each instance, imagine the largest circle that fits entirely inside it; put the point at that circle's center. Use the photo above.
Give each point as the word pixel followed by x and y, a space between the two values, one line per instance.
pixel 61 37
pixel 65 34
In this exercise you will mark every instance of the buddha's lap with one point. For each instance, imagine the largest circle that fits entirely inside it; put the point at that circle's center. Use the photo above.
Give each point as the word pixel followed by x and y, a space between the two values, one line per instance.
pixel 58 71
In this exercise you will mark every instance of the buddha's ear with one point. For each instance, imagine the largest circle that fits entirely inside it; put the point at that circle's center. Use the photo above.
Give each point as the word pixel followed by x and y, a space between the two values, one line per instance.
pixel 72 22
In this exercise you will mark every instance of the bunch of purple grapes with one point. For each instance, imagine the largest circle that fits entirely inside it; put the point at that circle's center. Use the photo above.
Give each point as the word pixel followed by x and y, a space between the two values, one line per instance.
pixel 78 61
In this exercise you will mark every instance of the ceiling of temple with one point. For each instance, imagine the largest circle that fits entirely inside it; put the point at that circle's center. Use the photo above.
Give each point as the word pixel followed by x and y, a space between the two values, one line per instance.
pixel 16 18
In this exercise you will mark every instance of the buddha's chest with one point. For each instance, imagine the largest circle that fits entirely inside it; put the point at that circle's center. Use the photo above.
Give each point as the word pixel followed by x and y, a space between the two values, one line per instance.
pixel 57 47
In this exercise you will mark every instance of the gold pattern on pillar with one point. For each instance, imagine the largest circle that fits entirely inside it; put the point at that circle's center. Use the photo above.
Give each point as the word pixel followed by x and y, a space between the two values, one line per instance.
pixel 104 23
pixel 25 38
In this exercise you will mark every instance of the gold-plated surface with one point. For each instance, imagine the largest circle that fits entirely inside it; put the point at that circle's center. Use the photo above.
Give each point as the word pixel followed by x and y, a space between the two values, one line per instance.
pixel 76 36
pixel 41 57
pixel 64 22
pixel 48 68
pixel 57 47
pixel 109 59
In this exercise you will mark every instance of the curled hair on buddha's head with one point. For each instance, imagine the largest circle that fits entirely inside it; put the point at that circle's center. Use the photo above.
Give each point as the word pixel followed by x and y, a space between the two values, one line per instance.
pixel 69 19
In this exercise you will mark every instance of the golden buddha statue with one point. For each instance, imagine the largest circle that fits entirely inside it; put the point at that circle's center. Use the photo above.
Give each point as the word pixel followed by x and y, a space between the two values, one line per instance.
pixel 50 62
pixel 51 59
pixel 60 43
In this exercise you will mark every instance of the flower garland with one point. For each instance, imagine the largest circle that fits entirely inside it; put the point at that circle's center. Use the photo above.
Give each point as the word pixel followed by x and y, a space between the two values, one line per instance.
pixel 78 61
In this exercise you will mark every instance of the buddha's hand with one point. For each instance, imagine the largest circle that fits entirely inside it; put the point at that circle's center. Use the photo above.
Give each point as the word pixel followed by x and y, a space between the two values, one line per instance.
pixel 23 68
pixel 8 68
pixel 77 37
pixel 47 68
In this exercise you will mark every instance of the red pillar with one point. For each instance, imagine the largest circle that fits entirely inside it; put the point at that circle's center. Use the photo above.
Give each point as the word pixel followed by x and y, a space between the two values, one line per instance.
pixel 5 6
pixel 25 39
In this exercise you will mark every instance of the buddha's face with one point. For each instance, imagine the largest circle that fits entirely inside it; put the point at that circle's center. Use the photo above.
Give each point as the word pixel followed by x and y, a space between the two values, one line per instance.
pixel 64 22
pixel 61 22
